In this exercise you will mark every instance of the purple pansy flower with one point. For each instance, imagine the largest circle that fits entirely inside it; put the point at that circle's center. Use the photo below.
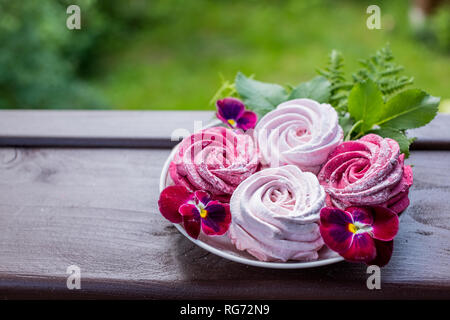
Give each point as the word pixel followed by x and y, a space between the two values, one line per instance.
pixel 232 112
pixel 213 216
pixel 195 210
pixel 360 234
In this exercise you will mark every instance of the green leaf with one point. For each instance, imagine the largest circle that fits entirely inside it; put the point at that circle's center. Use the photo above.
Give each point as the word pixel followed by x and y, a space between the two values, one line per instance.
pixel 409 109
pixel 318 89
pixel 259 96
pixel 365 103
pixel 346 124
pixel 398 136
pixel 386 73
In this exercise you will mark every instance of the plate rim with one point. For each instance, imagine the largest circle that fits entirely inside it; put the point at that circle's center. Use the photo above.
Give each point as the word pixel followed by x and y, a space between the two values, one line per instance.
pixel 228 256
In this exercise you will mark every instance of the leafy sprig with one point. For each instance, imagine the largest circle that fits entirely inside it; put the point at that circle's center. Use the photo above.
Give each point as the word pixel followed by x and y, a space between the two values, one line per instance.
pixel 408 109
pixel 227 89
pixel 339 85
pixel 381 69
pixel 373 101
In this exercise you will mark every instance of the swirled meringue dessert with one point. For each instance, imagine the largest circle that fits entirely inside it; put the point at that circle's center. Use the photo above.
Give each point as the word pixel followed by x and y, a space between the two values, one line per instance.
pixel 276 215
pixel 215 160
pixel 301 132
pixel 368 171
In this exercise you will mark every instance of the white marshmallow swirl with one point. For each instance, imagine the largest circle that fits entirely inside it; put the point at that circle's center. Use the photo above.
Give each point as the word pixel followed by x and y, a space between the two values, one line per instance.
pixel 276 215
pixel 301 132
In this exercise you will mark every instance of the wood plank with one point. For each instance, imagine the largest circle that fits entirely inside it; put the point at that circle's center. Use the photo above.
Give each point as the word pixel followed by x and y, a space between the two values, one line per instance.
pixel 97 208
pixel 49 128
pixel 433 136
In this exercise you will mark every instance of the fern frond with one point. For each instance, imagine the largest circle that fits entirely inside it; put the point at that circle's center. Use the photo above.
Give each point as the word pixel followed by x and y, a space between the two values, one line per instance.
pixel 339 86
pixel 382 69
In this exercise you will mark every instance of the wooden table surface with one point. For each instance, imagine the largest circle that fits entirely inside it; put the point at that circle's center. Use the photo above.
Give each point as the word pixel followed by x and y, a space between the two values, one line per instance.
pixel 81 188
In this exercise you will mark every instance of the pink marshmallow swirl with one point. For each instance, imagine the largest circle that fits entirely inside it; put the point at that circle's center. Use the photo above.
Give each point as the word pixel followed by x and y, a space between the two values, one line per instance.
pixel 368 171
pixel 214 160
pixel 276 214
pixel 301 132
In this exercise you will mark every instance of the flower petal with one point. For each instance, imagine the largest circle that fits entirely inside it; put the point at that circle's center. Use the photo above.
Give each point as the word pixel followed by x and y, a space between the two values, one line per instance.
pixel 362 249
pixel 247 120
pixel 218 218
pixel 203 196
pixel 192 226
pixel 384 253
pixel 361 214
pixel 189 211
pixel 385 225
pixel 170 199
pixel 334 229
pixel 229 109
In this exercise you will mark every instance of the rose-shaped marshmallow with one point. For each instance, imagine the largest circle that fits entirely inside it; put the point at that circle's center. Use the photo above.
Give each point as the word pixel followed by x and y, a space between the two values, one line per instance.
pixel 214 160
pixel 301 132
pixel 368 171
pixel 276 215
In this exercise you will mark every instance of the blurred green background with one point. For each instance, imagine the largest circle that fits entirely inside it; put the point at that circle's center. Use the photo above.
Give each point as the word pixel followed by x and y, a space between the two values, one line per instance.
pixel 170 54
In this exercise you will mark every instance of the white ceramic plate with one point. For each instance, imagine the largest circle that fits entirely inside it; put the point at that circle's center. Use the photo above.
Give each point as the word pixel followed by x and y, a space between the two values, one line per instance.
pixel 222 246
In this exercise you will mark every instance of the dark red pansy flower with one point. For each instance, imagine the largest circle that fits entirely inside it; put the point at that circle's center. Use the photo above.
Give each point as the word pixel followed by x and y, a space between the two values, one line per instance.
pixel 170 199
pixel 197 211
pixel 360 234
pixel 232 112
